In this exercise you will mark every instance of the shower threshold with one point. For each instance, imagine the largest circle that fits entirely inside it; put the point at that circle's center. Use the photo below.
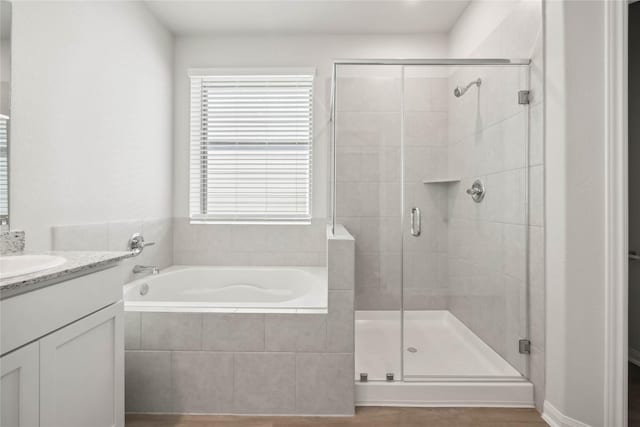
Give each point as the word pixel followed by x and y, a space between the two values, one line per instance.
pixel 445 363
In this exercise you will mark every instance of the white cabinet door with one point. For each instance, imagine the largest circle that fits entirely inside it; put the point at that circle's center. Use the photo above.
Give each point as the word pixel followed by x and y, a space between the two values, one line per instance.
pixel 82 372
pixel 19 387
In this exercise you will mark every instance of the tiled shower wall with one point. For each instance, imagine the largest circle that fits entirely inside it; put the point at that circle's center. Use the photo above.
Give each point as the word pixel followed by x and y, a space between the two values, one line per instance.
pixel 488 129
pixel 369 173
pixel 487 240
pixel 425 126
pixel 368 180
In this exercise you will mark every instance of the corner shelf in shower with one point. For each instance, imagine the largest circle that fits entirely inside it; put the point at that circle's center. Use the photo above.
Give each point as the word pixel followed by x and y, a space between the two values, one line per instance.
pixel 441 181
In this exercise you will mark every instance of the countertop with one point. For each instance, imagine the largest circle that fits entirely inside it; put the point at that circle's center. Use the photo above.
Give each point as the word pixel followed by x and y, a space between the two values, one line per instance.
pixel 78 263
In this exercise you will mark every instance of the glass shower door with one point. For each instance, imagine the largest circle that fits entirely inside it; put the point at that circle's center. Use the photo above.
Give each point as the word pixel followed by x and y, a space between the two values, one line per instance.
pixel 464 222
pixel 368 191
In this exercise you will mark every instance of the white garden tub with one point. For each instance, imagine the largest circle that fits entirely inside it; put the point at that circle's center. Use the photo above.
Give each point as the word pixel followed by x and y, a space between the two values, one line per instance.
pixel 230 290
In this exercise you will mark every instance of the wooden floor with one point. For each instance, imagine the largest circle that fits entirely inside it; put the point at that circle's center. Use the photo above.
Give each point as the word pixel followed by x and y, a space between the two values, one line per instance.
pixel 365 416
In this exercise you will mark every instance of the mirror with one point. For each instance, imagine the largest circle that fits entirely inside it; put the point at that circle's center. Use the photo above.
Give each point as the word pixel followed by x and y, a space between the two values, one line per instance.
pixel 5 109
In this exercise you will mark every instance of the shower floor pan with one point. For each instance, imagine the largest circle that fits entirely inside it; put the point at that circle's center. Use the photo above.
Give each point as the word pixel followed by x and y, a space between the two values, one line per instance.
pixel 445 363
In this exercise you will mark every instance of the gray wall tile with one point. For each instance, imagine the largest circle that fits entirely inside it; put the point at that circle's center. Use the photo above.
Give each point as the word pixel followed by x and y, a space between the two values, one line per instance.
pixel 324 384
pixel 132 330
pixel 86 237
pixel 341 263
pixel 375 93
pixel 295 332
pixel 488 139
pixel 202 382
pixel 171 331
pixel 340 322
pixel 536 287
pixel 115 236
pixel 233 332
pixel 159 231
pixel 264 383
pixel 147 381
pixel 536 195
pixel 120 232
pixel 309 259
pixel 258 245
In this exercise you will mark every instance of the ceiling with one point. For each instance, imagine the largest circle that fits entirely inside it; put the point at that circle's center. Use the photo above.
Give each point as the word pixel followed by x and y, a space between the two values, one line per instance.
pixel 186 17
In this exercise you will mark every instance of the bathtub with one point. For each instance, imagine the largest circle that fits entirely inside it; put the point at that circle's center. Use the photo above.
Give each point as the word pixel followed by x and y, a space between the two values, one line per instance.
pixel 230 290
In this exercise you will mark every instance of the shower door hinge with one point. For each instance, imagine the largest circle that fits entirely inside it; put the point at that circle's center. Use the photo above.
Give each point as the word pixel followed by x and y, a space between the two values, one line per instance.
pixel 524 97
pixel 524 346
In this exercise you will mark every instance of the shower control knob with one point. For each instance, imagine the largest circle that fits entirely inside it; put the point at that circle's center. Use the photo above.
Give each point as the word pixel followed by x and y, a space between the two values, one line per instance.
pixel 476 191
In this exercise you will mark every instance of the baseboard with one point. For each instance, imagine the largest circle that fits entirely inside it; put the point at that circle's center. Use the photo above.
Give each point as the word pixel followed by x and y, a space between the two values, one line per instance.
pixel 512 394
pixel 634 356
pixel 555 418
pixel 241 414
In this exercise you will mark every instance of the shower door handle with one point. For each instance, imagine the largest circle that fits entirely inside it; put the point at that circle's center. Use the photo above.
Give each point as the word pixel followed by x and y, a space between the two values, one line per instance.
pixel 416 223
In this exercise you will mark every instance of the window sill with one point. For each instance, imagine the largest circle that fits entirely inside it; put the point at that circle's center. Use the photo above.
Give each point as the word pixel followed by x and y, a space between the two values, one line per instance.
pixel 256 222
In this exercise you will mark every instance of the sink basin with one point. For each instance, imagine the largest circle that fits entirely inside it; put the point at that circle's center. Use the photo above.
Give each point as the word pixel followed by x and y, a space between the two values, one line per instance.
pixel 12 266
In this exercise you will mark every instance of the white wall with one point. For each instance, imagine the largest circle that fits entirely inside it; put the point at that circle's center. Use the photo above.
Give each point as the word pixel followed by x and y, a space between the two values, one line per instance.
pixel 92 102
pixel 575 166
pixel 5 76
pixel 5 60
pixel 283 51
pixel 476 23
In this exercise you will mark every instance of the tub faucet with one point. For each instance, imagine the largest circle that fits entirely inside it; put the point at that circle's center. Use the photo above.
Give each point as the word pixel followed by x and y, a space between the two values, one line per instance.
pixel 142 268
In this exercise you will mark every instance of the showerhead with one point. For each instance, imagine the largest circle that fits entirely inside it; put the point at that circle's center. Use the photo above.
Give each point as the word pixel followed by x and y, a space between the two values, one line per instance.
pixel 459 91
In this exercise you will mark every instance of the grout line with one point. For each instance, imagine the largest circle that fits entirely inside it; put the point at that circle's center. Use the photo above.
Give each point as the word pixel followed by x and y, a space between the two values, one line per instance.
pixel 295 382
pixel 202 331
pixel 171 382
pixel 233 380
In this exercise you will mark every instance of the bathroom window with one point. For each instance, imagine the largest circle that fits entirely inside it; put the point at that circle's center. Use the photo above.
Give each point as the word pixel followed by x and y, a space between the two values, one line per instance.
pixel 4 169
pixel 251 146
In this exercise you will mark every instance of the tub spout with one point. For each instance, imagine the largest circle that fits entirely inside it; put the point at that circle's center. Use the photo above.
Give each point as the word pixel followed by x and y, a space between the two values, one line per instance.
pixel 142 268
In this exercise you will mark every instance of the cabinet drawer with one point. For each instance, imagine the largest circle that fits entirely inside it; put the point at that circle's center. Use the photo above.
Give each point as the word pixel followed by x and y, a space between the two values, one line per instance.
pixel 27 317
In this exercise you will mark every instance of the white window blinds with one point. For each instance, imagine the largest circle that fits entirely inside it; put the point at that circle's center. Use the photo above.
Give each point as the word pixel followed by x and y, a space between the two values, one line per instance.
pixel 251 146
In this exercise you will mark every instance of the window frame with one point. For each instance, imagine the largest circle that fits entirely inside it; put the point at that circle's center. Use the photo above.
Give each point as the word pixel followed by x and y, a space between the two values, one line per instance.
pixel 195 190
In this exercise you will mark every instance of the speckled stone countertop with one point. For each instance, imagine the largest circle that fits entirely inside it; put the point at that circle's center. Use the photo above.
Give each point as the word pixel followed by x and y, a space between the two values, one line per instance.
pixel 78 264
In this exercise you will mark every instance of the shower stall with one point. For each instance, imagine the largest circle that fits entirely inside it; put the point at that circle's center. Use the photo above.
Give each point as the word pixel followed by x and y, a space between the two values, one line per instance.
pixel 430 175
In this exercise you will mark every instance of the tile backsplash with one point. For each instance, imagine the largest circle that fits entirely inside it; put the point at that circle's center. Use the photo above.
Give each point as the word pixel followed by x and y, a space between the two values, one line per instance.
pixel 181 243
pixel 251 244
pixel 114 236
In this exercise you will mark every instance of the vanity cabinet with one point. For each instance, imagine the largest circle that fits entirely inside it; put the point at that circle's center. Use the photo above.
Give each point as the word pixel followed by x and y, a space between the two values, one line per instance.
pixel 82 372
pixel 63 354
pixel 19 387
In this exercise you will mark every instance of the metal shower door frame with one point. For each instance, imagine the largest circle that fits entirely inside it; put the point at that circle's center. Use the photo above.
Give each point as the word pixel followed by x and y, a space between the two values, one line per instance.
pixel 333 149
